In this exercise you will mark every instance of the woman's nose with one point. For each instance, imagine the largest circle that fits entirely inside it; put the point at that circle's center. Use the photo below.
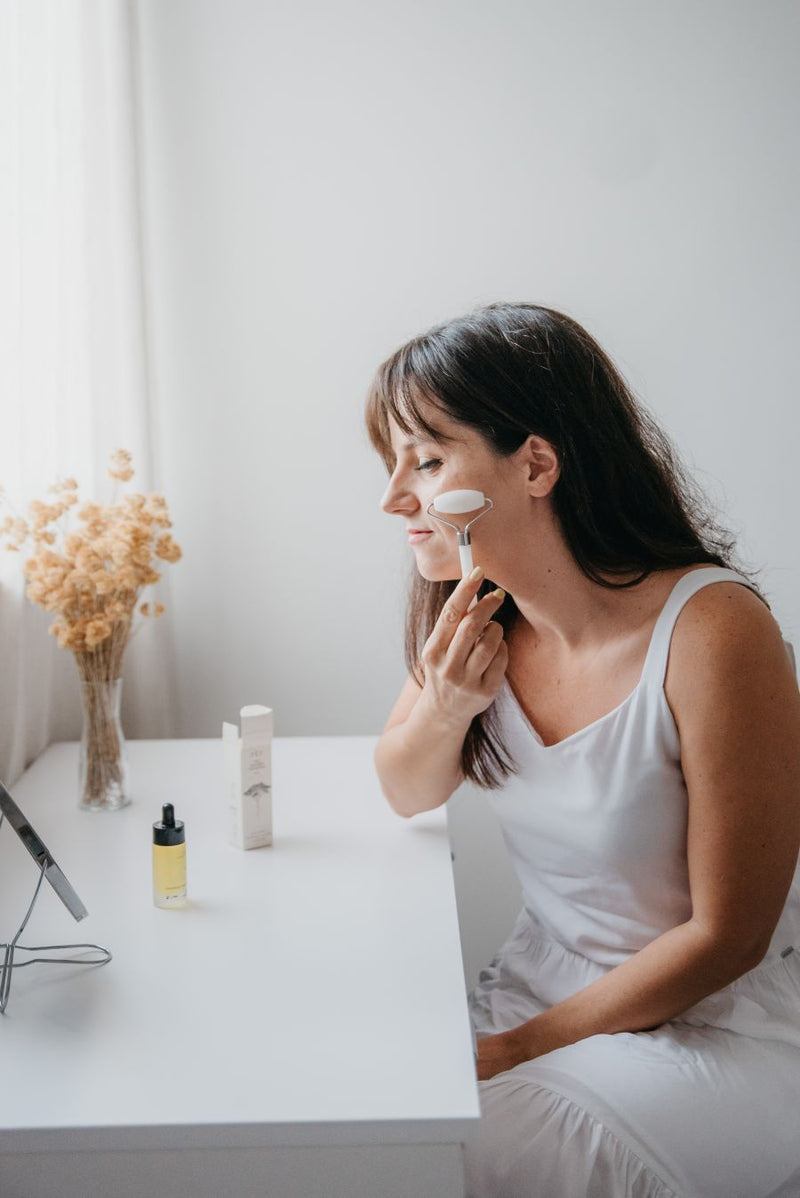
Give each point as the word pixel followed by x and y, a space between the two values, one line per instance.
pixel 398 499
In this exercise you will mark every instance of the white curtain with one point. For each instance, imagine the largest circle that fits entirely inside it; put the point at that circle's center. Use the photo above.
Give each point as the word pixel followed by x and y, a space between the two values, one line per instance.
pixel 73 359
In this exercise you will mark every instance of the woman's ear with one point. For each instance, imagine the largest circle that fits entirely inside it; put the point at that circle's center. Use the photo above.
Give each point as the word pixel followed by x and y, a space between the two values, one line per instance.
pixel 540 459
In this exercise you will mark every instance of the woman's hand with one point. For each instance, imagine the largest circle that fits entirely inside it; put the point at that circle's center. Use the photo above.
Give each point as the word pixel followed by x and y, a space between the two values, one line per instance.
pixel 465 657
pixel 498 1053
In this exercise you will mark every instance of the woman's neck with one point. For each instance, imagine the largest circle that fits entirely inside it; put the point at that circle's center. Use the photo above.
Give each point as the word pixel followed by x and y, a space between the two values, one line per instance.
pixel 565 611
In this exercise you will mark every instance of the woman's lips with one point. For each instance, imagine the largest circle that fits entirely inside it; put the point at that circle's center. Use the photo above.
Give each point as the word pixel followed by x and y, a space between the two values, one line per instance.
pixel 417 535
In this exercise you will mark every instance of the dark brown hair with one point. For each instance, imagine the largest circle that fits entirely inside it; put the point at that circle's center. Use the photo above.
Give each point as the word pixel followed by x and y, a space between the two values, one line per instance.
pixel 623 499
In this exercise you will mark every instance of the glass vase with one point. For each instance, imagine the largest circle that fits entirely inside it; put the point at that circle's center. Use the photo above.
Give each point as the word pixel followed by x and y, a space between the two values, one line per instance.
pixel 103 769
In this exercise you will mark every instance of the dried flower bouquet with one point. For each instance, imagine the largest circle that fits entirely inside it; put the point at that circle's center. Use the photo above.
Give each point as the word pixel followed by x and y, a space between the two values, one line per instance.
pixel 92 576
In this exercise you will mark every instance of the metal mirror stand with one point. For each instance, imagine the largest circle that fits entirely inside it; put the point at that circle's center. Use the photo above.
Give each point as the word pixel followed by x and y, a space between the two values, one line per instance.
pixel 99 956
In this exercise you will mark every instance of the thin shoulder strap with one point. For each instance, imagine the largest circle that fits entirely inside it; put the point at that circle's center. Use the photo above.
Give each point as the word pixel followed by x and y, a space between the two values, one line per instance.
pixel 655 666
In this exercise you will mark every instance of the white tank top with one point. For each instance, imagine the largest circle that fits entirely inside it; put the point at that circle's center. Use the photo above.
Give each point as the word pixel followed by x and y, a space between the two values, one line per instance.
pixel 595 825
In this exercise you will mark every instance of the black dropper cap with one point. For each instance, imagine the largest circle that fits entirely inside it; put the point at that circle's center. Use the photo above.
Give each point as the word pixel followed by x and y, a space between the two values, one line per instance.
pixel 169 830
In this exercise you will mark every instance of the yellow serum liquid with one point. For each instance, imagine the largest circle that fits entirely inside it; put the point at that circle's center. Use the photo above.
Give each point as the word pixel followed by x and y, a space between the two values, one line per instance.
pixel 169 875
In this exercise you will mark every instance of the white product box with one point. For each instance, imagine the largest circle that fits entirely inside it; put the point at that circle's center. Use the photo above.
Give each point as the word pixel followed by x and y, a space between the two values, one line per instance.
pixel 248 776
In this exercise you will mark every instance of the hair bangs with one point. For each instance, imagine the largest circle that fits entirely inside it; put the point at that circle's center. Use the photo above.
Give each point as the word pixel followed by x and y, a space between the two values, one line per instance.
pixel 398 393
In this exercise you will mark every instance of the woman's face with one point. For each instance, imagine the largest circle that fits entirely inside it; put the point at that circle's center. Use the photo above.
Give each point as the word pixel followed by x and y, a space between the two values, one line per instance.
pixel 426 467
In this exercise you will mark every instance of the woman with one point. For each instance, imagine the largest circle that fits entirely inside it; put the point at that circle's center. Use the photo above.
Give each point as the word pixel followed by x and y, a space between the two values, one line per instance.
pixel 625 696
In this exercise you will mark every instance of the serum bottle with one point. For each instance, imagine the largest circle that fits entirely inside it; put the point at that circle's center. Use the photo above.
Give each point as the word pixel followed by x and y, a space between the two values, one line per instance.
pixel 169 860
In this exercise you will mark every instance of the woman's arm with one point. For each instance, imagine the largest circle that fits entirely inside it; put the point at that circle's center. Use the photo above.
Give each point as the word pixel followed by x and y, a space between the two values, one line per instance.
pixel 736 703
pixel 418 757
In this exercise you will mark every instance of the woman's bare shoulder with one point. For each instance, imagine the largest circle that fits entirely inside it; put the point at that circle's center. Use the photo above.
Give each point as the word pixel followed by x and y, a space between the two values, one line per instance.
pixel 724 610
pixel 724 635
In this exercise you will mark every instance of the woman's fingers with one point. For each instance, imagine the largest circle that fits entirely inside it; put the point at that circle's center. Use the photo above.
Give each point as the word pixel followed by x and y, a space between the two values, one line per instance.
pixel 495 672
pixel 465 656
pixel 485 647
pixel 475 625
pixel 454 610
pixel 454 661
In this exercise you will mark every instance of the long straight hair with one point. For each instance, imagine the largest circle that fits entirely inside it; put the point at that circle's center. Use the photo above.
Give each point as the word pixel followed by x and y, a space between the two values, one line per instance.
pixel 623 500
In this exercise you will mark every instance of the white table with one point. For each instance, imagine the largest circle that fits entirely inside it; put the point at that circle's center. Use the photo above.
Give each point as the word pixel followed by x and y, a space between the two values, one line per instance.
pixel 299 1029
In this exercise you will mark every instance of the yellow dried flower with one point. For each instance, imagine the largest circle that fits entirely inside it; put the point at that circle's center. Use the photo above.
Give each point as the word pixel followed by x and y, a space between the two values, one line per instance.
pixel 37 591
pixel 154 610
pixel 63 484
pixel 90 511
pixel 60 630
pixel 96 631
pixel 91 577
pixel 17 531
pixel 120 467
pixel 167 549
pixel 44 513
pixel 87 561
pixel 127 579
pixel 103 583
pixel 54 575
pixel 116 610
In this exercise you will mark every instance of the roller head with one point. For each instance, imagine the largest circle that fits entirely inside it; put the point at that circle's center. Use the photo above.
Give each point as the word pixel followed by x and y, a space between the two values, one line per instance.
pixel 455 502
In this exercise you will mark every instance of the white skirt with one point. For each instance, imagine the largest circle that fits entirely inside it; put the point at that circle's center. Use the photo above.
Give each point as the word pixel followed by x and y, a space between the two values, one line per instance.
pixel 684 1111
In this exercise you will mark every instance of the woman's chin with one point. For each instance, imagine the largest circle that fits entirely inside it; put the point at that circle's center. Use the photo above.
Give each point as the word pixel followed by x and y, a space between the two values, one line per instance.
pixel 432 573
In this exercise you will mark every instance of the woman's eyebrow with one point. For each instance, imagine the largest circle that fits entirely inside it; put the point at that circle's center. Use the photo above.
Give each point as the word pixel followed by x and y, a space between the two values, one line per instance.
pixel 423 439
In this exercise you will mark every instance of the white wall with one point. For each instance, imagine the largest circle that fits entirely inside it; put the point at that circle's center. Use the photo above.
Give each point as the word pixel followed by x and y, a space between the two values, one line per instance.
pixel 324 181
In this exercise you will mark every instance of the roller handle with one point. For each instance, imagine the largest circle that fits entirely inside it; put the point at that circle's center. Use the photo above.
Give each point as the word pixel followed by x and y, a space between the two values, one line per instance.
pixel 465 553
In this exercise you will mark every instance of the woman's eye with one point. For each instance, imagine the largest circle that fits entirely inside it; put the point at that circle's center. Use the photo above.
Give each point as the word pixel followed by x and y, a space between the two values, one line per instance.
pixel 430 464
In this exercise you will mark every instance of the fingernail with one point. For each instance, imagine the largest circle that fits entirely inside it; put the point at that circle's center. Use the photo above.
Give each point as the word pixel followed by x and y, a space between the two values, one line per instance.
pixel 499 594
pixel 476 574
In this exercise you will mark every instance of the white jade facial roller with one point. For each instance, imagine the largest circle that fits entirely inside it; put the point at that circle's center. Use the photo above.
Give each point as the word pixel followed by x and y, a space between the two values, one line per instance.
pixel 455 503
